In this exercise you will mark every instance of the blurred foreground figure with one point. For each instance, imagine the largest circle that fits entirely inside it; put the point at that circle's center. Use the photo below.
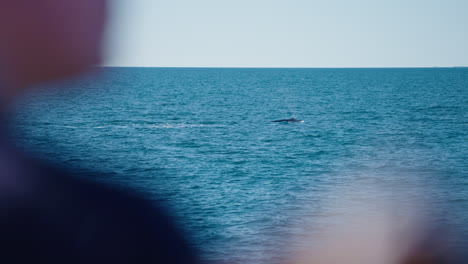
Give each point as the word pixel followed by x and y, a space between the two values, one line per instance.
pixel 51 215
pixel 365 229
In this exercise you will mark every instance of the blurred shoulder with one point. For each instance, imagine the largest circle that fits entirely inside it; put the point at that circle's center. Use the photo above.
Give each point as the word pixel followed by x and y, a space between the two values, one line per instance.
pixel 70 211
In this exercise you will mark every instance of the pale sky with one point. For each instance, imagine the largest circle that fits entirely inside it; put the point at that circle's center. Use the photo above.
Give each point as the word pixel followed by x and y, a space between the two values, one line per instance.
pixel 288 33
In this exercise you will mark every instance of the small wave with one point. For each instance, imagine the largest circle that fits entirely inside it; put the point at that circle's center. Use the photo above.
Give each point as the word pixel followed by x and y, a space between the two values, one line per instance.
pixel 111 126
pixel 136 125
pixel 436 107
pixel 313 136
pixel 126 125
pixel 179 125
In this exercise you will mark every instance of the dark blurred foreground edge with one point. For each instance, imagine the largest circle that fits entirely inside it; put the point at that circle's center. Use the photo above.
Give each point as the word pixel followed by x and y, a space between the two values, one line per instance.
pixel 52 215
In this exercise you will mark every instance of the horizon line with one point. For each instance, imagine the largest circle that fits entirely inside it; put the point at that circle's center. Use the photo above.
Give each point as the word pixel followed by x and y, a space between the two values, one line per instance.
pixel 272 67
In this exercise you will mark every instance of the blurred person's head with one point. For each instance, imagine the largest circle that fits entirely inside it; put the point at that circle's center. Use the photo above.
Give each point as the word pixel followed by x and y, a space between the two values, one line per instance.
pixel 43 40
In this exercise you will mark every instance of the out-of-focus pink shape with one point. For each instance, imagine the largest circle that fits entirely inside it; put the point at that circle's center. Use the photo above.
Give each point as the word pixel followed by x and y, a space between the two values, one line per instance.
pixel 42 40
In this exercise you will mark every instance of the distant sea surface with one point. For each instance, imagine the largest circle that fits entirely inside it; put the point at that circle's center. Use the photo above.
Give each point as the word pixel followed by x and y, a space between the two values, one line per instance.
pixel 202 141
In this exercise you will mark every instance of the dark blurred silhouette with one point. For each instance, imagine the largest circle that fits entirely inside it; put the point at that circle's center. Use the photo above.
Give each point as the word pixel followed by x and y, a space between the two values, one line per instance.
pixel 54 215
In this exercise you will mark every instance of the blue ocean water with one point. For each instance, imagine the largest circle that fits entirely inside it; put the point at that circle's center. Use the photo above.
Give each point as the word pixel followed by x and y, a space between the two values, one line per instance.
pixel 202 141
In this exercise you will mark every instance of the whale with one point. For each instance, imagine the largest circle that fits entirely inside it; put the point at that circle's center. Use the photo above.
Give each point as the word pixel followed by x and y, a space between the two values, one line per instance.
pixel 290 120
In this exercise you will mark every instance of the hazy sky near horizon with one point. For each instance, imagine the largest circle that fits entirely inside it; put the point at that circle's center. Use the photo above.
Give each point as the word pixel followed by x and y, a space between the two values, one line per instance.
pixel 288 33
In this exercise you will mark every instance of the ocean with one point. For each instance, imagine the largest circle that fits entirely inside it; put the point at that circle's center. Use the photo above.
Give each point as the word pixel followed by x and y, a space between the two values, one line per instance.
pixel 246 189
